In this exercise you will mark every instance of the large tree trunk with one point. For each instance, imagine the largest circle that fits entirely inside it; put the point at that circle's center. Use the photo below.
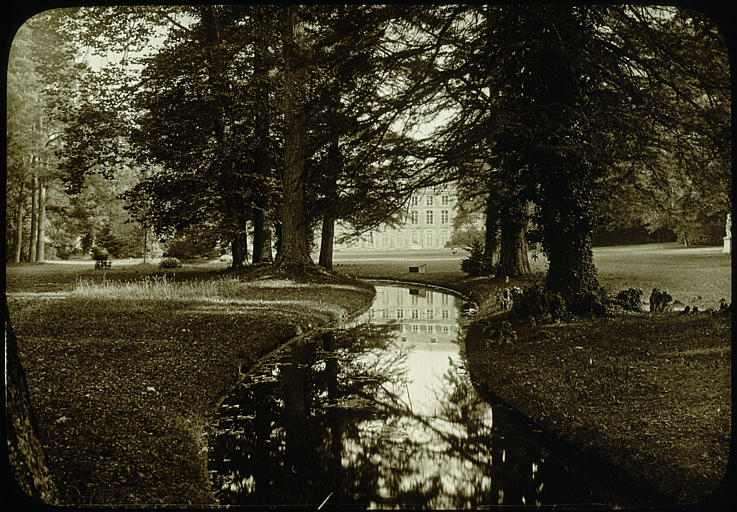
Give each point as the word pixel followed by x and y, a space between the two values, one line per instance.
pixel 239 247
pixel 41 238
pixel 258 235
pixel 261 163
pixel 25 453
pixel 513 259
pixel 328 221
pixel 34 220
pixel 266 255
pixel 491 246
pixel 326 241
pixel 294 241
pixel 145 244
pixel 19 223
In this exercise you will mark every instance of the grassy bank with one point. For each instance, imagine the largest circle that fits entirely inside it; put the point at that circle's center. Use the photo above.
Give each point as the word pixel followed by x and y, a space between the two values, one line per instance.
pixel 650 393
pixel 124 372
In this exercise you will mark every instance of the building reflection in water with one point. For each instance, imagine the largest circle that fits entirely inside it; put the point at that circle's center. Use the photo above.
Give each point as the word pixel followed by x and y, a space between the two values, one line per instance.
pixel 382 415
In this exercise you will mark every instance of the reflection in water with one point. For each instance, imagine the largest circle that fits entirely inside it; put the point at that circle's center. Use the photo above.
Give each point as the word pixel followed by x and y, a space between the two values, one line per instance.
pixel 381 414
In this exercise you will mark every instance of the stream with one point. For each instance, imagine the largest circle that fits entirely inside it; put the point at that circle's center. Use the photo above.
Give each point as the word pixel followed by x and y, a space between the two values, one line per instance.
pixel 382 414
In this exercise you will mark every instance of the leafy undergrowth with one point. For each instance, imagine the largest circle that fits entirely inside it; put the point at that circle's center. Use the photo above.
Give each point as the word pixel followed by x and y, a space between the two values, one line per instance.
pixel 649 392
pixel 123 387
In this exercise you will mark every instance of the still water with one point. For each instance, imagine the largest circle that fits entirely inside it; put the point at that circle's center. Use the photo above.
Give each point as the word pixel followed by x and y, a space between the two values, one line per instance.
pixel 382 414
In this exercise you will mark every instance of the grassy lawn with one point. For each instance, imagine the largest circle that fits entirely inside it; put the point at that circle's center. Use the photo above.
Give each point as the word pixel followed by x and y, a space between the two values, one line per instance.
pixel 650 393
pixel 125 367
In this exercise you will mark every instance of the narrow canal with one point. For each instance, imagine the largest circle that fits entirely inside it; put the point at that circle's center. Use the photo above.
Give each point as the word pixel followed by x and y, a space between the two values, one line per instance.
pixel 382 414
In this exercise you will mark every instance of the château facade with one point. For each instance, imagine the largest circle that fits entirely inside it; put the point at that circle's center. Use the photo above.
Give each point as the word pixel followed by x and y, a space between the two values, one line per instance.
pixel 427 224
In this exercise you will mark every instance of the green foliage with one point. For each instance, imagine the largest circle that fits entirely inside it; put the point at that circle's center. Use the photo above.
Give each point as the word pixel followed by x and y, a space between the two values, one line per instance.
pixel 466 236
pixel 476 264
pixel 544 305
pixel 100 253
pixel 193 242
pixel 629 299
pixel 170 263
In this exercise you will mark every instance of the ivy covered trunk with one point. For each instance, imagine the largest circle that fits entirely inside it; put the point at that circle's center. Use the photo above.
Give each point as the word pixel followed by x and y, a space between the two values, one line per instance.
pixel 566 220
pixel 294 240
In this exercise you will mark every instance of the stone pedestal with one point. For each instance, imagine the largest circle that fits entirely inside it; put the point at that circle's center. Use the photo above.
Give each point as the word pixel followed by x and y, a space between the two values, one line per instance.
pixel 727 245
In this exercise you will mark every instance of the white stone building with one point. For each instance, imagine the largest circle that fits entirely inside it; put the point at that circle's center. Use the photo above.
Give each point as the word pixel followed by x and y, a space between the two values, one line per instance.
pixel 427 224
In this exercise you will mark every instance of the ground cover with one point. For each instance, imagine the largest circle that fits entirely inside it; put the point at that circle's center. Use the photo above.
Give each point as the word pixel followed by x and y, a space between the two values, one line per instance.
pixel 648 392
pixel 124 372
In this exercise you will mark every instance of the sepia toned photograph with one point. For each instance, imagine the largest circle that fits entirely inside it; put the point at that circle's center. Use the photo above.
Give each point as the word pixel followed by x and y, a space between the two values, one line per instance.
pixel 356 257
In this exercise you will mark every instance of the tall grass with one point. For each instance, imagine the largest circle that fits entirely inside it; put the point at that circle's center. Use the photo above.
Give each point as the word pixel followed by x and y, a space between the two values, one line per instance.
pixel 159 288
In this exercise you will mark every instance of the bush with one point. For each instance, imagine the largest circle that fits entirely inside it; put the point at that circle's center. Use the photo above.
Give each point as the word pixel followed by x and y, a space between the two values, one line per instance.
pixel 477 264
pixel 629 299
pixel 170 263
pixel 99 253
pixel 539 303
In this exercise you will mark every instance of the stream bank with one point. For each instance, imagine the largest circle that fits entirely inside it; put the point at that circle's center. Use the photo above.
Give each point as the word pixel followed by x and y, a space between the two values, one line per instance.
pixel 640 393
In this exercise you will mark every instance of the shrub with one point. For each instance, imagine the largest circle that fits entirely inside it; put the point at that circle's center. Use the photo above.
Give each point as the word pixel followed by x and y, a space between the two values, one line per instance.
pixel 477 264
pixel 595 303
pixel 537 302
pixel 99 253
pixel 629 299
pixel 170 263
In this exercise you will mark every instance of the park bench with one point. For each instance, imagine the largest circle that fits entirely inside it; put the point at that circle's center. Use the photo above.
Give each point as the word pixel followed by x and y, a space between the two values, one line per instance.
pixel 102 264
pixel 100 256
pixel 418 269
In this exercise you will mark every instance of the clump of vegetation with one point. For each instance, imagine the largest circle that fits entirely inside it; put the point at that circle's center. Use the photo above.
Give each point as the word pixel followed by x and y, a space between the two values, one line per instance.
pixel 537 302
pixel 477 264
pixel 170 263
pixel 629 299
pixel 99 253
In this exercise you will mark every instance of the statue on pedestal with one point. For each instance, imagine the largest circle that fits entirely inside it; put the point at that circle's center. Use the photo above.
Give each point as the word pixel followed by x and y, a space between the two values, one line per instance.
pixel 728 239
pixel 728 226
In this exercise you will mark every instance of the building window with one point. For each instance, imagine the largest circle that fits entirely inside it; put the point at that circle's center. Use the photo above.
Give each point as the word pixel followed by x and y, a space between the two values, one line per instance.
pixel 414 201
pixel 413 217
pixel 445 200
pixel 428 240
pixel 384 313
pixel 428 200
pixel 428 217
pixel 400 313
pixel 430 314
pixel 415 328
pixel 445 313
pixel 415 314
pixel 446 329
pixel 415 237
pixel 444 217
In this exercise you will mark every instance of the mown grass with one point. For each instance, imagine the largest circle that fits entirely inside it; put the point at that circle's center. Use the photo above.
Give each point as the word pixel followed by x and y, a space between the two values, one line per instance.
pixel 124 373
pixel 650 393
